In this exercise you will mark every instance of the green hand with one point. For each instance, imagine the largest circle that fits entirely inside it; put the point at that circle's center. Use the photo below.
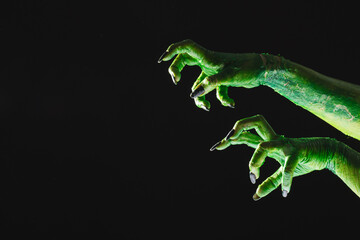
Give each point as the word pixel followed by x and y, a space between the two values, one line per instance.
pixel 219 70
pixel 297 156
pixel 335 101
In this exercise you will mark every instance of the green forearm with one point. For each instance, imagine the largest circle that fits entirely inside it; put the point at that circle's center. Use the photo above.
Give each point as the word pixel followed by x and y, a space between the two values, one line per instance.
pixel 345 163
pixel 335 101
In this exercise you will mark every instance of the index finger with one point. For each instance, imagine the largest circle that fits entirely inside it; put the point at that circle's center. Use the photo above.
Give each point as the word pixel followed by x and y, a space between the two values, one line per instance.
pixel 187 46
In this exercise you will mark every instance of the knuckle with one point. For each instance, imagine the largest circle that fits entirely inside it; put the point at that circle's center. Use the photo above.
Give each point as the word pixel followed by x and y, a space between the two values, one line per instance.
pixel 210 81
pixel 260 117
pixel 272 182
pixel 264 146
pixel 237 124
pixel 287 175
pixel 211 78
pixel 188 42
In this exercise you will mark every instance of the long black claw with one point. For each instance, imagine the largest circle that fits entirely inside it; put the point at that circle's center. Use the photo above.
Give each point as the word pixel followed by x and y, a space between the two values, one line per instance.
pixel 162 56
pixel 228 136
pixel 197 92
pixel 215 146
pixel 256 197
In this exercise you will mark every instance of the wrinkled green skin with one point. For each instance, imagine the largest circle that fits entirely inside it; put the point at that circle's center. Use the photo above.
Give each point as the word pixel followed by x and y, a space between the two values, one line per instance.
pixel 335 101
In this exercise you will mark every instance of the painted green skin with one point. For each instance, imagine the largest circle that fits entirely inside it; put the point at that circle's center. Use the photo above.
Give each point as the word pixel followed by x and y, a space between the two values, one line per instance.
pixel 335 101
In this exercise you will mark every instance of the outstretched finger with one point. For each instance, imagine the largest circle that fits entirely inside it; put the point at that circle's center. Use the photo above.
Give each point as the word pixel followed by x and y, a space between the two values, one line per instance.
pixel 269 185
pixel 246 138
pixel 187 46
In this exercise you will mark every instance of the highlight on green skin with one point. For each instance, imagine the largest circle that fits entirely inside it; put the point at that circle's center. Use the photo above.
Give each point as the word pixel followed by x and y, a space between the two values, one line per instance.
pixel 335 101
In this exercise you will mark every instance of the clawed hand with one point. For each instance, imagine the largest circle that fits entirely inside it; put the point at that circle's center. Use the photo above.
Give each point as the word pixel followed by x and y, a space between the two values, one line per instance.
pixel 219 71
pixel 297 156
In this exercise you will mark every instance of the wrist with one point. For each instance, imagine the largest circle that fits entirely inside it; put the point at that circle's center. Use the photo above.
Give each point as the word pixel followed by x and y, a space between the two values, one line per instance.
pixel 271 65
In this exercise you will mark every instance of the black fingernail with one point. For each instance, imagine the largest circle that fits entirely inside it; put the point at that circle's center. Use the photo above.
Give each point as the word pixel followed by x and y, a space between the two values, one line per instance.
pixel 228 136
pixel 173 78
pixel 284 193
pixel 256 197
pixel 197 92
pixel 252 178
pixel 162 56
pixel 215 146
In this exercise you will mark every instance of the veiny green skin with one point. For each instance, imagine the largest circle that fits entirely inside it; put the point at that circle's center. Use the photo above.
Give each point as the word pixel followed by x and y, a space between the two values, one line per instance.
pixel 335 101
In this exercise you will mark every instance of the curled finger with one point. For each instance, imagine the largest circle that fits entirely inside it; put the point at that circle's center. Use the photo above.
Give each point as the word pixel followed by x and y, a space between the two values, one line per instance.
pixel 269 185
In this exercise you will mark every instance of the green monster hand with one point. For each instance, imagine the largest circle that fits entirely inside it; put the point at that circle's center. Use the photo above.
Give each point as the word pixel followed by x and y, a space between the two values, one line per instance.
pixel 297 156
pixel 219 70
pixel 335 101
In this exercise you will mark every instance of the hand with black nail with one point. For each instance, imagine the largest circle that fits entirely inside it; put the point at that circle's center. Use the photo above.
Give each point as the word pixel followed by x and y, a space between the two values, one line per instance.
pixel 219 71
pixel 335 101
pixel 296 156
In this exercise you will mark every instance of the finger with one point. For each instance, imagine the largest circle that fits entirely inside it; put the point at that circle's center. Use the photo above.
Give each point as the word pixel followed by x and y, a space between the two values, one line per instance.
pixel 288 172
pixel 201 77
pixel 187 46
pixel 269 185
pixel 258 158
pixel 223 97
pixel 201 102
pixel 257 122
pixel 210 83
pixel 178 64
pixel 246 138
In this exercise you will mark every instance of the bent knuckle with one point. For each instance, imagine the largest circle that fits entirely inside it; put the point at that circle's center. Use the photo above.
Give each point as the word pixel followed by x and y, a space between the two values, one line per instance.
pixel 259 116
pixel 264 145
pixel 238 123
pixel 188 42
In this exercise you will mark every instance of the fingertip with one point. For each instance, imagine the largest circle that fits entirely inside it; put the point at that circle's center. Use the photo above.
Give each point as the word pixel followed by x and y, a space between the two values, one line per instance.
pixel 161 58
pixel 175 78
pixel 215 146
pixel 252 178
pixel 205 108
pixel 202 103
pixel 256 197
pixel 285 193
pixel 197 92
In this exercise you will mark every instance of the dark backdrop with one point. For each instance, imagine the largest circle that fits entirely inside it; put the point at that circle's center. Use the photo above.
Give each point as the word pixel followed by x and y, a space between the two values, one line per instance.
pixel 95 140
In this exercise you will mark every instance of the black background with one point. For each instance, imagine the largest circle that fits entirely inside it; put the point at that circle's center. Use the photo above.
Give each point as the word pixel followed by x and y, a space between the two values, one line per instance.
pixel 96 141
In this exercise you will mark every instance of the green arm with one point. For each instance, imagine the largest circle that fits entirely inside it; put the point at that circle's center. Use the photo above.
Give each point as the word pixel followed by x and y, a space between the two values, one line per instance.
pixel 335 101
